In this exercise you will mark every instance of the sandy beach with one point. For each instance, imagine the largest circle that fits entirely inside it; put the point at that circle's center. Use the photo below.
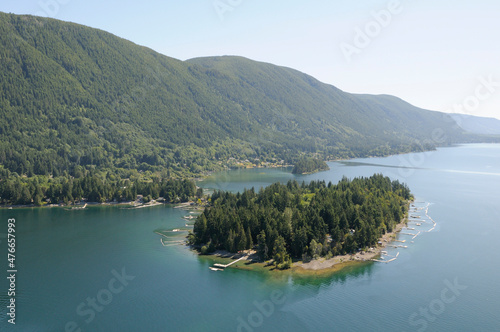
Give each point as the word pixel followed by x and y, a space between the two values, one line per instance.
pixel 322 263
pixel 150 204
pixel 319 266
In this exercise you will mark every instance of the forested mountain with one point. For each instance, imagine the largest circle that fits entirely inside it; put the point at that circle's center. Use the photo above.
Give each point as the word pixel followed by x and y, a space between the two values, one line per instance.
pixel 73 99
pixel 355 124
pixel 477 125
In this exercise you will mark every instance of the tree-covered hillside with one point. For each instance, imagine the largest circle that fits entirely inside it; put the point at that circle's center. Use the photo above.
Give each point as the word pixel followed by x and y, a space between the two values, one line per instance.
pixel 477 125
pixel 74 99
pixel 295 220
pixel 309 165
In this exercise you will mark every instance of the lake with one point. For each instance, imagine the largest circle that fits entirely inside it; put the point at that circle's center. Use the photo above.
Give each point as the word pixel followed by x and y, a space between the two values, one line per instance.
pixel 105 269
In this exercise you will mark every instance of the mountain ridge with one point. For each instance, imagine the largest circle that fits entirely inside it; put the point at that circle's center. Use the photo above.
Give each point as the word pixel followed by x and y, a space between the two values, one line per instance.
pixel 77 98
pixel 477 124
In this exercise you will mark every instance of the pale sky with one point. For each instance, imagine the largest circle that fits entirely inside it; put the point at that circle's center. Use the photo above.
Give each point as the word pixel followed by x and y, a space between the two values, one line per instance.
pixel 440 55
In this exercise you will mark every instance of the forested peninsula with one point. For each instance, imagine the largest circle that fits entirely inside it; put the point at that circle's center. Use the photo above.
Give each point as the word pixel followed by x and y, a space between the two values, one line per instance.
pixel 309 165
pixel 302 221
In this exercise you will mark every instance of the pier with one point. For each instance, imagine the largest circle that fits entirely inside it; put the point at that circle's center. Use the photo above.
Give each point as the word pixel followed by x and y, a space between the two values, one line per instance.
pixel 171 243
pixel 79 207
pixel 398 246
pixel 223 266
pixel 384 253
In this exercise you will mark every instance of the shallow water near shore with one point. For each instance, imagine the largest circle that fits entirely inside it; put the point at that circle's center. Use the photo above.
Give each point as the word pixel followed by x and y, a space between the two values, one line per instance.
pixel 66 257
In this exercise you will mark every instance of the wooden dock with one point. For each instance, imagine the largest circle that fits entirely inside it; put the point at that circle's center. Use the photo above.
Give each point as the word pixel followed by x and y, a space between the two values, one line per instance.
pixel 223 266
pixel 397 246
pixel 171 243
pixel 79 207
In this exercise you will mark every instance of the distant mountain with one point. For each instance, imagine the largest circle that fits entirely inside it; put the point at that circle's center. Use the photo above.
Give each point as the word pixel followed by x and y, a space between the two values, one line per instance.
pixel 321 111
pixel 75 98
pixel 477 125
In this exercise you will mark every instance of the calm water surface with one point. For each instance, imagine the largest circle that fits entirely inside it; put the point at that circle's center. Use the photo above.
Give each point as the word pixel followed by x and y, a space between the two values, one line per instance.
pixel 446 280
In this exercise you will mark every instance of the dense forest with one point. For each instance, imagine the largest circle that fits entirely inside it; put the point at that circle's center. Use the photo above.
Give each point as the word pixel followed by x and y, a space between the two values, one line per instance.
pixel 309 165
pixel 81 108
pixel 74 97
pixel 293 220
pixel 93 187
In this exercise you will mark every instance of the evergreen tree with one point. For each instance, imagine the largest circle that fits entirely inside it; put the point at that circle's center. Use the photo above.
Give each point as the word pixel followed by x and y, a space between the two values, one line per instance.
pixel 310 220
pixel 262 250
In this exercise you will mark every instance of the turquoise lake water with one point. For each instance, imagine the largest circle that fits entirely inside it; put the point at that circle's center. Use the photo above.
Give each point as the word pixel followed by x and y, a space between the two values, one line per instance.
pixel 446 280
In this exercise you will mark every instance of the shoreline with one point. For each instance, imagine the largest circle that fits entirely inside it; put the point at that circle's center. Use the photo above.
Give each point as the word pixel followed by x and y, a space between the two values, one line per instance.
pixel 207 174
pixel 128 205
pixel 362 256
pixel 315 267
pixel 70 206
pixel 248 264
